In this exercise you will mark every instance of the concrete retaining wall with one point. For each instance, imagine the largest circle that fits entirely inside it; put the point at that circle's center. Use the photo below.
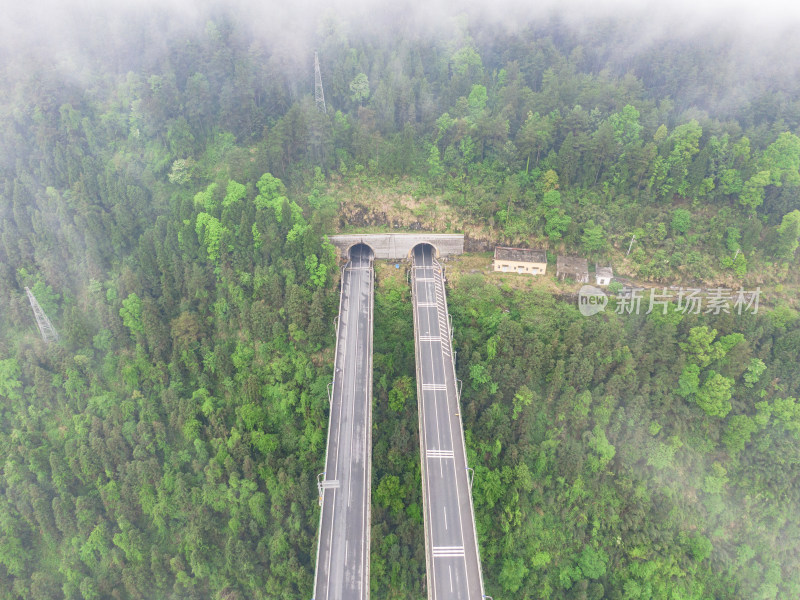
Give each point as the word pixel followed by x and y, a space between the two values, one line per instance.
pixel 399 245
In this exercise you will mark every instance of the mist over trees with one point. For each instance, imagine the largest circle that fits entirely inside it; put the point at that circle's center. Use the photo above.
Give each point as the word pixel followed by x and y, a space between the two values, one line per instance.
pixel 166 183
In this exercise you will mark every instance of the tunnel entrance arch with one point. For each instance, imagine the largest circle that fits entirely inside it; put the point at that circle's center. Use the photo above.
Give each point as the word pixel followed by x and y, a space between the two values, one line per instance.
pixel 361 250
pixel 434 249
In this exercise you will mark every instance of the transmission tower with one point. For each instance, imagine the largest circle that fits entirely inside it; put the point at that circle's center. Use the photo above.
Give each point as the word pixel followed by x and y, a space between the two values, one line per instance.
pixel 319 96
pixel 45 326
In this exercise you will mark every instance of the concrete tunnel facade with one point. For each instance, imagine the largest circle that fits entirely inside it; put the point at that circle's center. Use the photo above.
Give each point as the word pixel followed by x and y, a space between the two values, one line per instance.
pixel 398 246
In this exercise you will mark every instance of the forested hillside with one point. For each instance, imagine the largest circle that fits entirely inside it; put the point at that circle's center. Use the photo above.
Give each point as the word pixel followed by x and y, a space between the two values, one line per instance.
pixel 165 191
pixel 632 456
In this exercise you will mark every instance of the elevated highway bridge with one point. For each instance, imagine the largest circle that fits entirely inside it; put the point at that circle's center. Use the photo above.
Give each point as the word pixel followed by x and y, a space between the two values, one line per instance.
pixel 451 544
pixel 342 571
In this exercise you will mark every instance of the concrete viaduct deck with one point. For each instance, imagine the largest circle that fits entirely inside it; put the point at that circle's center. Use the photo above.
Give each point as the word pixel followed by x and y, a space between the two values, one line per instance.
pixel 451 541
pixel 342 570
pixel 451 545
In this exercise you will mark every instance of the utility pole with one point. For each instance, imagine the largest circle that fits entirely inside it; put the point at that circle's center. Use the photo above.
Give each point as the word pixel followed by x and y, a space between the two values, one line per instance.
pixel 45 326
pixel 319 96
pixel 630 246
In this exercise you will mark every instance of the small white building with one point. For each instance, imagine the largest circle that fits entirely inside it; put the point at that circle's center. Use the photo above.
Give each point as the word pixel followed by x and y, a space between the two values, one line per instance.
pixel 520 260
pixel 603 275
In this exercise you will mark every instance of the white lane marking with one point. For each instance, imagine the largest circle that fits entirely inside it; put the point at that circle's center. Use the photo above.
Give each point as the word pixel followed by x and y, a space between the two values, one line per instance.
pixel 445 517
pixel 439 453
pixel 448 551
pixel 434 386
pixel 450 569
pixel 346 545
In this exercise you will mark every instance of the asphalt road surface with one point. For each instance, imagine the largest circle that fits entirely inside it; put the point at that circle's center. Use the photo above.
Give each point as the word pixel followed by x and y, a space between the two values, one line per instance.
pixel 342 571
pixel 450 541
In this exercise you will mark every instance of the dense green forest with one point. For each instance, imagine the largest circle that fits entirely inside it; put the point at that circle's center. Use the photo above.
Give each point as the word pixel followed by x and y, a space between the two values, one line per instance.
pixel 165 192
pixel 630 457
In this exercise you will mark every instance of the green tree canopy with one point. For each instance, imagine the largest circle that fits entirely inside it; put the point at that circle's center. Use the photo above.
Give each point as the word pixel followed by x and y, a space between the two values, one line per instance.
pixel 788 237
pixel 681 220
pixel 359 88
pixel 715 394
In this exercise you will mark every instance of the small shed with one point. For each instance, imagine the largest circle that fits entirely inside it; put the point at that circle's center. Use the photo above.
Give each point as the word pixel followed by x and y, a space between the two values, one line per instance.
pixel 520 260
pixel 603 275
pixel 573 267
